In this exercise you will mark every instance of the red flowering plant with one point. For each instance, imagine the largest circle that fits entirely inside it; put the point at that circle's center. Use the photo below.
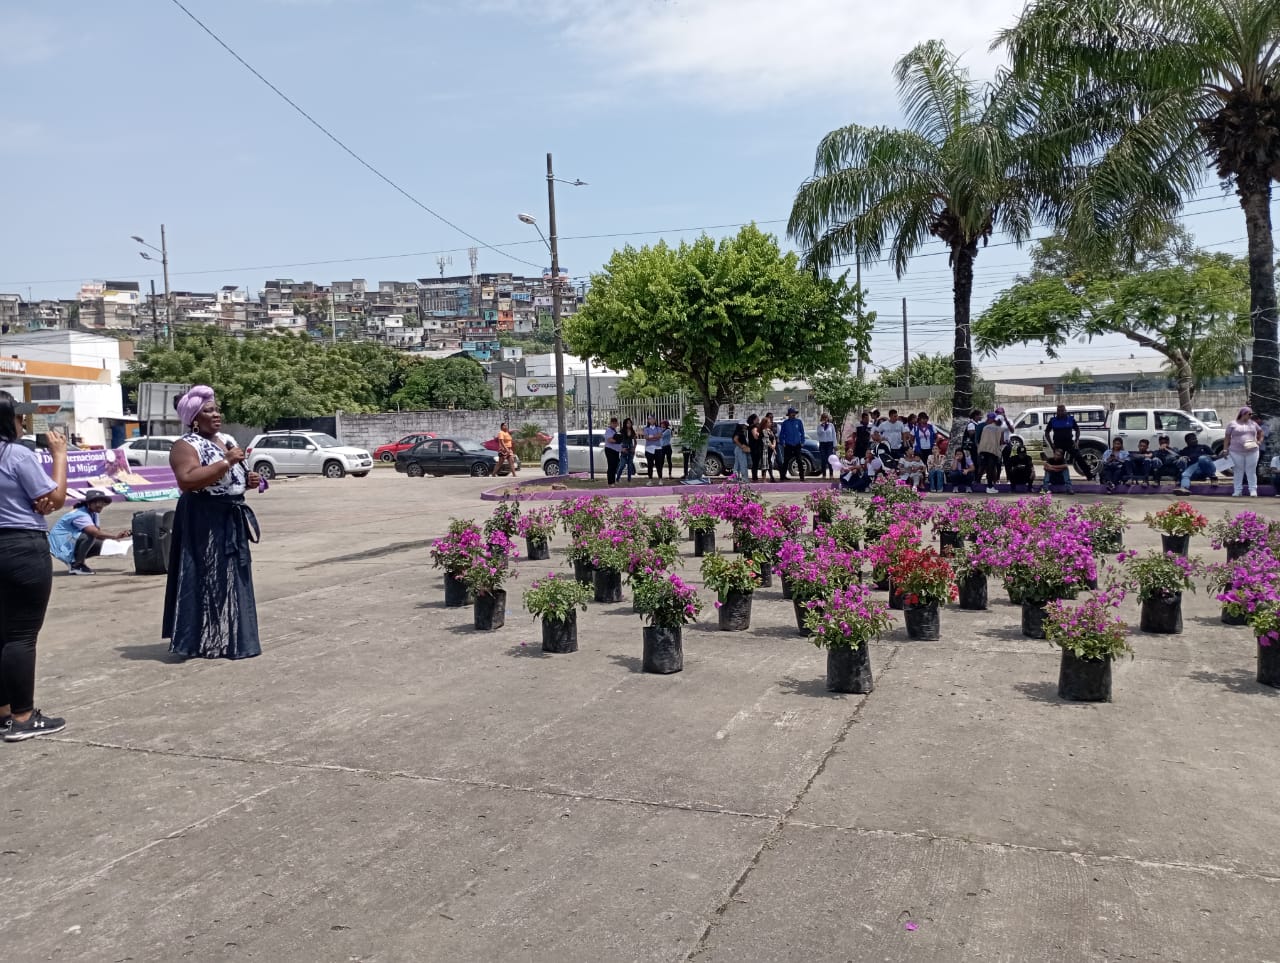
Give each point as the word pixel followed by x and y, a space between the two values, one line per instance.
pixel 491 565
pixel 1249 588
pixel 885 550
pixel 1090 629
pixel 849 619
pixel 923 577
pixel 816 567
pixel 455 551
pixel 1246 528
pixel 1180 518
pixel 667 601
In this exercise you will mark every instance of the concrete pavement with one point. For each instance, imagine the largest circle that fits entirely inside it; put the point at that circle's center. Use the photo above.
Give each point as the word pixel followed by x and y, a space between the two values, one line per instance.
pixel 386 784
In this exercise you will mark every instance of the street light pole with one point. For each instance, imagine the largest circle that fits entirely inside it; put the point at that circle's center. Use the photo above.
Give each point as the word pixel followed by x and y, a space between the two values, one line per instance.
pixel 561 424
pixel 168 298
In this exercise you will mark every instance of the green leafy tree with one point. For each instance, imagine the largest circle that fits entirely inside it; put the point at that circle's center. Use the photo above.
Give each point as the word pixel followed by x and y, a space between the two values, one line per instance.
pixel 447 383
pixel 840 392
pixel 720 314
pixel 1189 306
pixel 969 162
pixel 935 369
pixel 640 386
pixel 1077 376
pixel 1160 82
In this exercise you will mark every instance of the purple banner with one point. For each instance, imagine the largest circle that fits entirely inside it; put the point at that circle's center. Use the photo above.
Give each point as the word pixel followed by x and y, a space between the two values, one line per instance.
pixel 109 470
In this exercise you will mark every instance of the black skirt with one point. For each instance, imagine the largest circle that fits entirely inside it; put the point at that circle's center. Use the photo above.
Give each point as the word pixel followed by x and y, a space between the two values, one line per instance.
pixel 209 606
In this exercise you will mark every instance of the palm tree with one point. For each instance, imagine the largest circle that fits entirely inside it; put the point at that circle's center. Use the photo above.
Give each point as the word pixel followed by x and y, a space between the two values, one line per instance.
pixel 1168 82
pixel 965 166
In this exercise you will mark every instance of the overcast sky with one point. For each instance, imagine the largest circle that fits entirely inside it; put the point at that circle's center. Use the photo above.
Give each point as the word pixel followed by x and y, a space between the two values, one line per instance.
pixel 680 114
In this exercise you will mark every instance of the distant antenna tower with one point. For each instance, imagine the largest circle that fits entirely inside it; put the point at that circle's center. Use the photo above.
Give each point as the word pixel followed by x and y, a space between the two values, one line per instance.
pixel 474 254
pixel 443 261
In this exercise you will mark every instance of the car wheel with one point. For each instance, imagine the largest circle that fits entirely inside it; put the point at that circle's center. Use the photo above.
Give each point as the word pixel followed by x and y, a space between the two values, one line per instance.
pixel 481 470
pixel 359 474
pixel 334 469
pixel 551 467
pixel 714 464
pixel 414 470
pixel 388 457
pixel 264 469
pixel 1091 458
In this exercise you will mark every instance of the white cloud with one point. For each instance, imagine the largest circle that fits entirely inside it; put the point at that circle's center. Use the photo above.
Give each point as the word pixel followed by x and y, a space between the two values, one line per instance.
pixel 744 52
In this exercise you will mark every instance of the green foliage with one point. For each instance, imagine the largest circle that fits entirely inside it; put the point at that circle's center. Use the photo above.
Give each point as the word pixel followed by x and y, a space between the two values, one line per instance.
pixel 640 386
pixel 525 441
pixel 446 383
pixel 723 575
pixel 263 378
pixel 840 392
pixel 721 314
pixel 555 597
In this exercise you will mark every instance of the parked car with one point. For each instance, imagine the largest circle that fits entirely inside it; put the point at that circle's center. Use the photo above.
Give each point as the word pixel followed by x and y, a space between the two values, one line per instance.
pixel 449 456
pixel 389 451
pixel 305 453
pixel 149 451
pixel 1099 425
pixel 579 451
pixel 720 451
pixel 1209 416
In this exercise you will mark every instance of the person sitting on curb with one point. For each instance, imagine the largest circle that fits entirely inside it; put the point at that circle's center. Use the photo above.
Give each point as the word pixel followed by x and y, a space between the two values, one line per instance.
pixel 1019 467
pixel 77 536
pixel 1164 461
pixel 937 466
pixel 1142 463
pixel 912 468
pixel 1056 471
pixel 1115 465
pixel 1197 462
pixel 962 472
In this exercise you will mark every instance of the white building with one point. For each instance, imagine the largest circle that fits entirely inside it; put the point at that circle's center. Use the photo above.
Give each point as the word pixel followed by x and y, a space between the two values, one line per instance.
pixel 80 406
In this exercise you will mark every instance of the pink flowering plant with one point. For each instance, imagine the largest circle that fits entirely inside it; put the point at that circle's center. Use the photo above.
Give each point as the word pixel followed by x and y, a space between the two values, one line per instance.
pixel 1249 588
pixel 667 601
pixel 790 516
pixel 491 566
pixel 824 503
pixel 699 513
pixel 538 525
pixel 890 496
pixel 555 597
pixel 612 549
pixel 846 530
pixel 1180 518
pixel 664 527
pixel 884 551
pixel 455 551
pixel 584 514
pixel 736 503
pixel 1245 528
pixel 848 619
pixel 1109 522
pixel 505 519
pixel 723 575
pixel 1089 629
pixel 816 567
pixel 1158 575
pixel 763 540
pixel 1050 557
pixel 959 515
pixel 649 562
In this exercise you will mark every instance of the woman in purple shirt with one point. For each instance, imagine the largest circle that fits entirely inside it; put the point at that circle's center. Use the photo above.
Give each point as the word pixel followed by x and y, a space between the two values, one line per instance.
pixel 27 494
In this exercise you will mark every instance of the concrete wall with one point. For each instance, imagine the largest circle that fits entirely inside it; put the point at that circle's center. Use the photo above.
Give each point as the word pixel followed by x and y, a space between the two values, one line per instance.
pixel 370 431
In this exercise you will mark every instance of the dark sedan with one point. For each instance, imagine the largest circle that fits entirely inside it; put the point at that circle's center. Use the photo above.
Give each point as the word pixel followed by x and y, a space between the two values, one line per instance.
pixel 448 456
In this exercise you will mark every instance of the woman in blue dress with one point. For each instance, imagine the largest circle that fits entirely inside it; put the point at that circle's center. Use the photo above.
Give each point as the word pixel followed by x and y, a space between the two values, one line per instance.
pixel 209 606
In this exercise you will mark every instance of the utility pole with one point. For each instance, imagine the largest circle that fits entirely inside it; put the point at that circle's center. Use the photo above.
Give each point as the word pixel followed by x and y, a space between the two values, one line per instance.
pixel 168 297
pixel 561 424
pixel 906 353
pixel 858 281
pixel 155 320
pixel 333 323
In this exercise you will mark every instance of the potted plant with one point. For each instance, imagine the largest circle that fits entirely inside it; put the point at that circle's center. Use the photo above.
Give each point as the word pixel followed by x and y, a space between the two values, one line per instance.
pixel 485 577
pixel 815 568
pixel 844 624
pixel 824 503
pixel 664 527
pixel 1220 578
pixel 1160 578
pixel 764 541
pixel 955 521
pixel 973 566
pixel 648 563
pixel 1240 534
pixel 701 519
pixel 884 551
pixel 581 518
pixel 454 553
pixel 536 528
pixel 610 557
pixel 1253 594
pixel 556 600
pixel 1090 637
pixel 1176 524
pixel 505 519
pixel 1044 561
pixel 1109 522
pixel 734 581
pixel 847 530
pixel 667 604
pixel 926 580
pixel 892 498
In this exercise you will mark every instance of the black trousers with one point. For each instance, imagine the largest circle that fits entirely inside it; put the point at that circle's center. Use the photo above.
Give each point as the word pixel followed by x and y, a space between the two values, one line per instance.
pixel 611 459
pixel 795 452
pixel 87 547
pixel 26 579
pixel 757 460
pixel 990 467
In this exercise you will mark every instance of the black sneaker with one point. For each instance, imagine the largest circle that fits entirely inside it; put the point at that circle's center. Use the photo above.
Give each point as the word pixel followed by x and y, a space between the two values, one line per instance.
pixel 38 725
pixel 80 570
pixel 5 723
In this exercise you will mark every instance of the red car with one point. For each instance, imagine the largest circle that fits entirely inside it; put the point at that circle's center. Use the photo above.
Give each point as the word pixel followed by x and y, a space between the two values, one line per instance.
pixel 388 453
pixel 543 438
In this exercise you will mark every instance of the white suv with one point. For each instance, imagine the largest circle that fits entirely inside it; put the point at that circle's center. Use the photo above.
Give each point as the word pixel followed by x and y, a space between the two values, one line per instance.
pixel 305 453
pixel 579 451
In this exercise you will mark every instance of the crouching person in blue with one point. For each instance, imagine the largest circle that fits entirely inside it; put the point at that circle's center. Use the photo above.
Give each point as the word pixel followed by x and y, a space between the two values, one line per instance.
pixel 78 536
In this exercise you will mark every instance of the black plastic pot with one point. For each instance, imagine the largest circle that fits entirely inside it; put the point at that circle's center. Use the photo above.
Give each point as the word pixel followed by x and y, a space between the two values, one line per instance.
pixel 455 591
pixel 704 543
pixel 801 612
pixel 895 598
pixel 560 636
pixel 766 574
pixel 663 651
pixel 786 587
pixel 608 585
pixel 882 584
pixel 1015 597
pixel 948 539
pixel 849 670
pixel 1162 614
pixel 1084 680
pixel 1228 619
pixel 537 551
pixel 490 611
pixel 583 571
pixel 1033 616
pixel 922 621
pixel 973 592
pixel 1269 664
pixel 1177 544
pixel 1237 550
pixel 735 612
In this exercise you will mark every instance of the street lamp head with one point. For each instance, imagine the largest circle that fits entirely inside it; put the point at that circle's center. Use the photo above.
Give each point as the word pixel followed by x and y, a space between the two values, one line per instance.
pixel 578 183
pixel 138 239
pixel 527 219
pixel 145 256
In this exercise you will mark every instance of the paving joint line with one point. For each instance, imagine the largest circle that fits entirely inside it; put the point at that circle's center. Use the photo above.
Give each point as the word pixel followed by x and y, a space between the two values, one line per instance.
pixel 781 822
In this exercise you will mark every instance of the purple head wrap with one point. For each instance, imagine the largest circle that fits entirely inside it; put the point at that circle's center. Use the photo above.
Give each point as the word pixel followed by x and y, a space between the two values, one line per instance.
pixel 189 405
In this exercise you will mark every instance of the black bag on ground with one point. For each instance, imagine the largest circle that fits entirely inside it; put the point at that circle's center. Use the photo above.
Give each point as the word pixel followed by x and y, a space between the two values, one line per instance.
pixel 152 537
